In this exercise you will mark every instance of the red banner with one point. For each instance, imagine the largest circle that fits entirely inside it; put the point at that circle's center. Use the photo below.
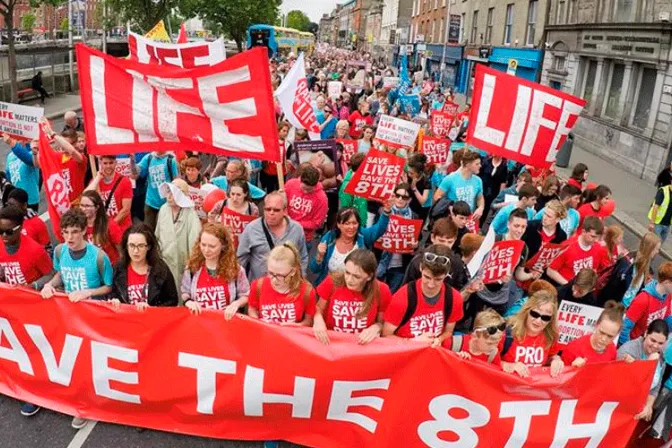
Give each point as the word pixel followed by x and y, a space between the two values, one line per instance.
pixel 223 109
pixel 236 222
pixel 472 224
pixel 518 119
pixel 441 123
pixel 377 176
pixel 349 149
pixel 436 149
pixel 182 54
pixel 501 260
pixel 545 256
pixel 401 236
pixel 166 369
pixel 450 108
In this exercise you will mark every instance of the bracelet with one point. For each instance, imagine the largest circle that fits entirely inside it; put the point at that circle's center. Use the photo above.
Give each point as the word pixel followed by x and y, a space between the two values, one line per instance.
pixel 187 301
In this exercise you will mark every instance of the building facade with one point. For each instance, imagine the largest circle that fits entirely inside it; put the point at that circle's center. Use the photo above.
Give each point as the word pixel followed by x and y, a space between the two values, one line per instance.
pixel 616 55
pixel 397 16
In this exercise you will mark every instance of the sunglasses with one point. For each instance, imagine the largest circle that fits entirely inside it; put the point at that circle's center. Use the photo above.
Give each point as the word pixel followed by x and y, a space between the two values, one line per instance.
pixel 402 196
pixel 492 329
pixel 433 258
pixel 544 317
pixel 271 209
pixel 10 232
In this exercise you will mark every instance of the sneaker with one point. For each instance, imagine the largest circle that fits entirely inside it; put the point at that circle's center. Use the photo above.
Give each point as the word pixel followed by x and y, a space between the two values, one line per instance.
pixel 28 409
pixel 79 423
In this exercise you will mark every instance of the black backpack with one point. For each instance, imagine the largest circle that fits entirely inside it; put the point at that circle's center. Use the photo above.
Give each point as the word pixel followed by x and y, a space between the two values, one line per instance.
pixel 413 303
pixel 614 281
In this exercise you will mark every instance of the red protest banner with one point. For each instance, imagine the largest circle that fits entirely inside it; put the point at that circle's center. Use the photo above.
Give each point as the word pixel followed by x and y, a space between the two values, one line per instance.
pixel 440 123
pixel 436 149
pixel 377 176
pixel 349 149
pixel 450 108
pixel 545 256
pixel 88 360
pixel 472 224
pixel 236 222
pixel 185 55
pixel 518 119
pixel 401 236
pixel 501 260
pixel 224 109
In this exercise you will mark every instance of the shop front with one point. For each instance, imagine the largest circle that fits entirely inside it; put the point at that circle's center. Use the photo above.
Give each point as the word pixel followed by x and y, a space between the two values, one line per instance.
pixel 453 58
pixel 527 62
pixel 472 56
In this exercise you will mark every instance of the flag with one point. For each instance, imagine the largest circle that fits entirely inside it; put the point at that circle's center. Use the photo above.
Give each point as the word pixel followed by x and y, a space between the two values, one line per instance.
pixel 294 98
pixel 182 36
pixel 158 33
pixel 405 83
pixel 187 55
pixel 56 185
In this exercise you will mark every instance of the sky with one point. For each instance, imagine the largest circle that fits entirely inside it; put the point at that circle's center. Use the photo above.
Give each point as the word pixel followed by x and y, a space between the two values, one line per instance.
pixel 312 8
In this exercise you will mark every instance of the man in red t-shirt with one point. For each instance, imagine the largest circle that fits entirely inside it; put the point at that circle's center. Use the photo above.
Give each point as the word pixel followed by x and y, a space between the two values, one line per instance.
pixel 108 182
pixel 359 119
pixel 426 310
pixel 33 226
pixel 582 253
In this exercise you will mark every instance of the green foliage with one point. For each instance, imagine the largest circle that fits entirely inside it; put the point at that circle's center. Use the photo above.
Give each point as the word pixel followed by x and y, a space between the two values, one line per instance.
pixel 142 14
pixel 28 22
pixel 65 25
pixel 298 20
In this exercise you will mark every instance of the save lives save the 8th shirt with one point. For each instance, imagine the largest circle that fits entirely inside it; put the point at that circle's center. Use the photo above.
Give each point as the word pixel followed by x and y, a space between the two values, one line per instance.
pixel 136 286
pixel 576 258
pixel 531 351
pixel 211 292
pixel 427 318
pixel 123 191
pixel 274 307
pixel 29 263
pixel 343 305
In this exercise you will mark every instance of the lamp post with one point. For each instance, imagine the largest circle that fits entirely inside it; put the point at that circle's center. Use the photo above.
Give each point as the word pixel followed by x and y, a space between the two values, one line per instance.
pixel 445 42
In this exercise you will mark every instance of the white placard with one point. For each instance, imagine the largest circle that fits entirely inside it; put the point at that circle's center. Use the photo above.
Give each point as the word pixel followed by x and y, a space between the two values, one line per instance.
pixel 398 133
pixel 334 89
pixel 576 320
pixel 20 121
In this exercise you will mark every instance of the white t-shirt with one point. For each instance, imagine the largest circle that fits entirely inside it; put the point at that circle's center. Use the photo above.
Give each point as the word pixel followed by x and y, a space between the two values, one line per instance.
pixel 337 260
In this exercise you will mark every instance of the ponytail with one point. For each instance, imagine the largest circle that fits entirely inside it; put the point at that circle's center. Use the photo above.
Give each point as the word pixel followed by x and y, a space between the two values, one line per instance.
pixel 613 311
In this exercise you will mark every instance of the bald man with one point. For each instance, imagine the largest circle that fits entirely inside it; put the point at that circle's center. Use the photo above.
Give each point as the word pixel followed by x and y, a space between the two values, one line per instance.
pixel 72 121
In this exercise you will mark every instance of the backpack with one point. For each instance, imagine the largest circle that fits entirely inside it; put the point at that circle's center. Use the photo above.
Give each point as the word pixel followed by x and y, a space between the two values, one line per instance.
pixel 413 303
pixel 458 342
pixel 169 162
pixel 613 282
pixel 100 259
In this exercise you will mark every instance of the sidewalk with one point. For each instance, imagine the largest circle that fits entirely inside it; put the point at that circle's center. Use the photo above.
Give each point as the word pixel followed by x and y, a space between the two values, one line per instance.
pixel 56 106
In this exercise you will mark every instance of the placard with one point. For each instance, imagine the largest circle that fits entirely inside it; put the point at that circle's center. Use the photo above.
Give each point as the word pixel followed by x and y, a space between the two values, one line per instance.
pixel 20 122
pixel 349 149
pixel 391 82
pixel 235 222
pixel 502 260
pixel 576 320
pixel 545 256
pixel 436 149
pixel 396 132
pixel 198 196
pixel 441 123
pixel 401 236
pixel 327 147
pixel 450 108
pixel 334 89
pixel 377 176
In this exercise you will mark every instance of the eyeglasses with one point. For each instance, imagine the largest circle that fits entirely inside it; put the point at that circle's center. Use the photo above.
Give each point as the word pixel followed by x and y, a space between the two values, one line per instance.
pixel 10 232
pixel 276 276
pixel 137 246
pixel 543 317
pixel 86 206
pixel 271 209
pixel 433 258
pixel 492 329
pixel 405 197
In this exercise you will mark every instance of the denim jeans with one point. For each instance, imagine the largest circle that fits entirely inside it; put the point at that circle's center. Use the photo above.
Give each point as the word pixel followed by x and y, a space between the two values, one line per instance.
pixel 662 231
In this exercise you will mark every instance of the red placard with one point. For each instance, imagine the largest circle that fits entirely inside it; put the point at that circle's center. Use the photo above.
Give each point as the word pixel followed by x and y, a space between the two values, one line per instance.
pixel 224 109
pixel 349 149
pixel 545 256
pixel 440 124
pixel 472 224
pixel 436 149
pixel 501 260
pixel 236 222
pixel 401 236
pixel 377 176
pixel 213 378
pixel 518 119
pixel 450 108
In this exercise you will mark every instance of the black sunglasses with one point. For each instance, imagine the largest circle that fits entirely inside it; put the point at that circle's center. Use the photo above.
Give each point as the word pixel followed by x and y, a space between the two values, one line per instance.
pixel 402 196
pixel 544 317
pixel 10 232
pixel 492 329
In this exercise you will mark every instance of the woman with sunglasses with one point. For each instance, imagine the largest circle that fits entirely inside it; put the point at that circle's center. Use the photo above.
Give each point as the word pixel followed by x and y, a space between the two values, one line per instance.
pixel 352 300
pixel 100 231
pixel 213 278
pixel 141 277
pixel 346 236
pixel 483 343
pixel 534 337
pixel 282 296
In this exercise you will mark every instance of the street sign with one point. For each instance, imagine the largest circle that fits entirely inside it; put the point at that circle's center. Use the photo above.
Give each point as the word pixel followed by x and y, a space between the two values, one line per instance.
pixel 421 47
pixel 419 38
pixel 513 66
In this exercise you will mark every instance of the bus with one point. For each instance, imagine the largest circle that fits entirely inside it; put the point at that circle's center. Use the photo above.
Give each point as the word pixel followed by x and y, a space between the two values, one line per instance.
pixel 280 41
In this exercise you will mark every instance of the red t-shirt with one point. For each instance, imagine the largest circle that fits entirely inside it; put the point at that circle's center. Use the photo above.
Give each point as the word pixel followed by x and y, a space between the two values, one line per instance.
pixel 587 210
pixel 136 286
pixel 531 351
pixel 575 258
pixel 581 348
pixel 343 305
pixel 576 183
pixel 123 191
pixel 357 123
pixel 545 238
pixel 274 307
pixel 643 310
pixel 427 318
pixel 483 357
pixel 211 292
pixel 28 264
pixel 114 235
pixel 36 229
pixel 74 174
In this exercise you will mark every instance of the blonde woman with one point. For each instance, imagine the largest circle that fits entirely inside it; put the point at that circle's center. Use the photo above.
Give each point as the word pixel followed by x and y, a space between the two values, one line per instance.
pixel 343 130
pixel 283 296
pixel 213 278
pixel 640 272
pixel 483 343
pixel 534 337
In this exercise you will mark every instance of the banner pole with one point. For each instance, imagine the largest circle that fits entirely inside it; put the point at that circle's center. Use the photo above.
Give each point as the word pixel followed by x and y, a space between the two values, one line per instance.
pixel 92 163
pixel 281 177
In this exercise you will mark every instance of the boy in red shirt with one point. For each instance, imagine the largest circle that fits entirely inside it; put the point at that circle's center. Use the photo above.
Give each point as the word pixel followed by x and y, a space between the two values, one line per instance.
pixel 598 346
pixel 426 310
pixel 32 226
pixel 483 343
pixel 306 200
pixel 110 183
pixel 582 253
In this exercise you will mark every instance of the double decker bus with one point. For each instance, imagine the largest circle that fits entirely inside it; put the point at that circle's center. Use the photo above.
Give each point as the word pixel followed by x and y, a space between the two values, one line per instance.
pixel 280 41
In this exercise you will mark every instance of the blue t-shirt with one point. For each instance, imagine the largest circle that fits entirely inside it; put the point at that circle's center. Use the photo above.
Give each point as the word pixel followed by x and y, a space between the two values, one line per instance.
pixel 223 183
pixel 457 188
pixel 569 224
pixel 156 174
pixel 501 221
pixel 24 176
pixel 81 274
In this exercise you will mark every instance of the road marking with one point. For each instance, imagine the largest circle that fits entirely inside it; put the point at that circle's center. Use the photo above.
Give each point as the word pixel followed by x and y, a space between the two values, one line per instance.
pixel 82 435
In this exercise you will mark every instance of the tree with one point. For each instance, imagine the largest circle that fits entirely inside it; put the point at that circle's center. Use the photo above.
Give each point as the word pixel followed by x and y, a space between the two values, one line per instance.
pixel 298 20
pixel 28 22
pixel 7 12
pixel 313 28
pixel 142 14
pixel 65 25
pixel 232 17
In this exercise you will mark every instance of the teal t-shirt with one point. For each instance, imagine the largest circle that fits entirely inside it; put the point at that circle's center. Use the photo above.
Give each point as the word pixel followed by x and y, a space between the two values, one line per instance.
pixel 457 188
pixel 23 176
pixel 155 169
pixel 82 274
pixel 501 221
pixel 223 183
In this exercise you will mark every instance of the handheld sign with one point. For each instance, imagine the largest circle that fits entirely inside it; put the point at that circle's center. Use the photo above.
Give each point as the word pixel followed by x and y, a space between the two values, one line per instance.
pixel 401 236
pixel 334 89
pixel 436 149
pixel 501 260
pixel 391 82
pixel 546 255
pixel 576 320
pixel 377 176
pixel 349 149
pixel 518 119
pixel 441 123
pixel 235 222
pixel 396 132
pixel 450 108
pixel 20 122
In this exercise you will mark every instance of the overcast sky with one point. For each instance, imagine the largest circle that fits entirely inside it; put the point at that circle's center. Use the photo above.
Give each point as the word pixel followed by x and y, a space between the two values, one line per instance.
pixel 312 8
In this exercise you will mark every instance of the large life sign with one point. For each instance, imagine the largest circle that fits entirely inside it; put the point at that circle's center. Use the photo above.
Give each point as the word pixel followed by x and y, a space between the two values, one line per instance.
pixel 518 119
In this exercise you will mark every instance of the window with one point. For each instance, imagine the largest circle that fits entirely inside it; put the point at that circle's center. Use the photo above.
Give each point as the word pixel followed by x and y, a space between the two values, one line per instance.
pixel 623 11
pixel 531 22
pixel 508 27
pixel 430 37
pixel 615 87
pixel 560 16
pixel 442 31
pixel 571 13
pixel 463 22
pixel 591 70
pixel 559 63
pixel 646 85
pixel 474 28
